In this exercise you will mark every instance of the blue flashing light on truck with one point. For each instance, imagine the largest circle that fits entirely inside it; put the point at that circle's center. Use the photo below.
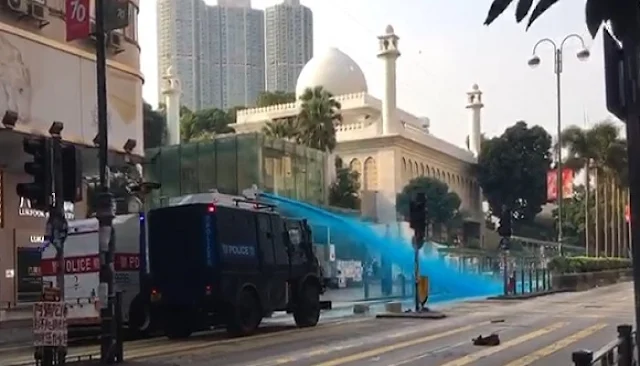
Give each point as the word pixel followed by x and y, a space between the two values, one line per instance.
pixel 224 262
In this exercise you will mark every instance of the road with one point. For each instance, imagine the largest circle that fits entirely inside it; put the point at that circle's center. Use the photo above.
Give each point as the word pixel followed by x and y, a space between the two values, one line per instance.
pixel 542 331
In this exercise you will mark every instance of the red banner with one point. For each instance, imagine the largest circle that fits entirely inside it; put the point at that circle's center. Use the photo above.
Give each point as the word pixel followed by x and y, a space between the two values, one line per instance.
pixel 627 213
pixel 90 264
pixel 552 184
pixel 77 19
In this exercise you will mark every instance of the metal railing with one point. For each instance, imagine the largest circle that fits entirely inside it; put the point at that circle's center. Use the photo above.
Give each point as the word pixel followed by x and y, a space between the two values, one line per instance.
pixel 618 352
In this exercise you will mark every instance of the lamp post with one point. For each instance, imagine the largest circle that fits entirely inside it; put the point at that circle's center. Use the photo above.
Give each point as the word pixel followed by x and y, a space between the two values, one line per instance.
pixel 582 55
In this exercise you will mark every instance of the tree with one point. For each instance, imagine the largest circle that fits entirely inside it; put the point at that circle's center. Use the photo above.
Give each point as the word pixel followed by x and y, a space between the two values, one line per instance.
pixel 620 13
pixel 204 123
pixel 512 170
pixel 319 115
pixel 154 125
pixel 573 217
pixel 442 204
pixel 266 98
pixel 343 192
pixel 285 128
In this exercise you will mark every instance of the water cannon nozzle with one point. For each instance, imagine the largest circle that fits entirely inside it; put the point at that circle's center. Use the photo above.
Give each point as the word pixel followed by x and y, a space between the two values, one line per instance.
pixel 251 193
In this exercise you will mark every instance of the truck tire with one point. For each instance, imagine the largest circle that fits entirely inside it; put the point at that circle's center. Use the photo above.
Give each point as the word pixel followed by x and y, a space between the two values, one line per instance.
pixel 246 314
pixel 178 325
pixel 307 309
pixel 140 325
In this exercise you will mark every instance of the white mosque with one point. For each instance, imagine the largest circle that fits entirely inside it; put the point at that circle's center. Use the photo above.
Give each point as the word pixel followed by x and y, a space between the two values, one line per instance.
pixel 387 145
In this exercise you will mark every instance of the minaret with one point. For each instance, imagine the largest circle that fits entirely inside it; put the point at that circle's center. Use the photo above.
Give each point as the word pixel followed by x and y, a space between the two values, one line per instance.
pixel 171 90
pixel 388 52
pixel 475 106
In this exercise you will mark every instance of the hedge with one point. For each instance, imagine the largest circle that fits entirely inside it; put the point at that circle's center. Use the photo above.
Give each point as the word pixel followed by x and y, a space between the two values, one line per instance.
pixel 587 264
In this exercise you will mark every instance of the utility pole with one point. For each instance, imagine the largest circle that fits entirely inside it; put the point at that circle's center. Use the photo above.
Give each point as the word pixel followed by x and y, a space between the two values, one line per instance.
pixel 57 225
pixel 622 82
pixel 109 15
pixel 418 222
pixel 105 210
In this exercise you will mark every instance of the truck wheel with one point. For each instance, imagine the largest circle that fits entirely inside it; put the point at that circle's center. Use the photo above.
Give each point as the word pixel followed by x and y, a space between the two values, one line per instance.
pixel 307 310
pixel 178 325
pixel 246 315
pixel 140 325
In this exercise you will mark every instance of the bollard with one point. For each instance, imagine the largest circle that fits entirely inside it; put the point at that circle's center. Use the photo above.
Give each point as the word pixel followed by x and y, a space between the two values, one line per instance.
pixel 366 286
pixel 119 356
pixel 582 358
pixel 625 349
pixel 544 279
pixel 537 279
pixel 522 288
pixel 515 282
pixel 530 279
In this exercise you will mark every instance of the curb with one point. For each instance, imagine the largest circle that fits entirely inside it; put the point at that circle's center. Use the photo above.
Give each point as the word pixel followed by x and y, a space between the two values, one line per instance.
pixel 431 315
pixel 16 323
pixel 526 296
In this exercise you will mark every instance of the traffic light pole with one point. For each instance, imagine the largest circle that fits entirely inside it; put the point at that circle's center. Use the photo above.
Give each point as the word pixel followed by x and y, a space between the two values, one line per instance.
pixel 105 212
pixel 58 222
pixel 416 264
pixel 632 95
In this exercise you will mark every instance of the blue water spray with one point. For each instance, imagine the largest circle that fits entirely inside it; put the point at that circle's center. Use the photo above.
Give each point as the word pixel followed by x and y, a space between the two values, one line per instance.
pixel 449 283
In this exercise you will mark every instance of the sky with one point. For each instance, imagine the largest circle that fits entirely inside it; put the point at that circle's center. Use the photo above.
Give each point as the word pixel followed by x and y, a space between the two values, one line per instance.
pixel 445 50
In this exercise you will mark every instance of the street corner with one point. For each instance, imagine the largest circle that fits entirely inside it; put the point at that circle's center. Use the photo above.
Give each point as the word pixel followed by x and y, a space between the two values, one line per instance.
pixel 410 314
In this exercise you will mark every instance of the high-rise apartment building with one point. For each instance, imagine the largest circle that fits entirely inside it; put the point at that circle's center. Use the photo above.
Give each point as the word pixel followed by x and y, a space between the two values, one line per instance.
pixel 217 51
pixel 289 43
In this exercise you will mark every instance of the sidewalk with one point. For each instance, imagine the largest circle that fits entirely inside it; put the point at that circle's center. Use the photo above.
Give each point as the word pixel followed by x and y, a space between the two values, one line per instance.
pixel 18 318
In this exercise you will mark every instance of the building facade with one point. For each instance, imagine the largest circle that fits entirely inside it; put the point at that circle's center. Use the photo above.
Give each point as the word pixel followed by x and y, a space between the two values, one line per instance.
pixel 217 51
pixel 289 43
pixel 49 79
pixel 387 145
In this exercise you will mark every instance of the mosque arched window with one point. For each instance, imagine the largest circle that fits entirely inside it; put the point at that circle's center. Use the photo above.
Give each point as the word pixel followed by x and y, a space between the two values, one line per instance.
pixel 422 169
pixel 370 174
pixel 409 169
pixel 433 172
pixel 403 173
pixel 356 166
pixel 416 172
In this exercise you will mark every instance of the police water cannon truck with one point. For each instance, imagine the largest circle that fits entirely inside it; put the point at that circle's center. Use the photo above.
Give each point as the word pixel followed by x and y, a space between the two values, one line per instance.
pixel 204 260
pixel 220 260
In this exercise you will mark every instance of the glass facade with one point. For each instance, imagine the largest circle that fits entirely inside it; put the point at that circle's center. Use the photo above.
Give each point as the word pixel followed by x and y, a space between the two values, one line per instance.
pixel 231 163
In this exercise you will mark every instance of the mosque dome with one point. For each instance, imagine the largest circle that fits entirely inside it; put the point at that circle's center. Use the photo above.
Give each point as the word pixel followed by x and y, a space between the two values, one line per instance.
pixel 335 71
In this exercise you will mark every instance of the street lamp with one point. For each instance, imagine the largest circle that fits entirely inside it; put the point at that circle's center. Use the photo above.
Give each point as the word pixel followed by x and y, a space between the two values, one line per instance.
pixel 534 61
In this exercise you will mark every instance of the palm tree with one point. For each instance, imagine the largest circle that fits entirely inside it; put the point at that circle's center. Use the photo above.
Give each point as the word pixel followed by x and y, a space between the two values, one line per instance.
pixel 318 118
pixel 580 155
pixel 620 13
pixel 285 128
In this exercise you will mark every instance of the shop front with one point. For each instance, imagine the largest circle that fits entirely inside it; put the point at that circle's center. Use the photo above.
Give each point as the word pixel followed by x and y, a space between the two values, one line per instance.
pixel 21 239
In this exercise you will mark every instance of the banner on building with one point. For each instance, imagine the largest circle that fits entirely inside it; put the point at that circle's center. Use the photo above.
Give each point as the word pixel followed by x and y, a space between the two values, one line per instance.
pixel 552 184
pixel 627 213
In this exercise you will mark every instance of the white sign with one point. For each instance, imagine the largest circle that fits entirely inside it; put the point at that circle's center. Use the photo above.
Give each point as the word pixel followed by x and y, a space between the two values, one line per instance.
pixel 9 273
pixel 26 210
pixel 50 324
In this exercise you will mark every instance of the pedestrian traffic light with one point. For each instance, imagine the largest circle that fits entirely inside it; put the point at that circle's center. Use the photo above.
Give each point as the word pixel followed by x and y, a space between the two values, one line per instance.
pixel 71 174
pixel 504 229
pixel 38 192
pixel 418 215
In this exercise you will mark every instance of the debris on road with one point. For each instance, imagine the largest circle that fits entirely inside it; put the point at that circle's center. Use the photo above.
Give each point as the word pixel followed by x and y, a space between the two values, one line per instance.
pixel 491 340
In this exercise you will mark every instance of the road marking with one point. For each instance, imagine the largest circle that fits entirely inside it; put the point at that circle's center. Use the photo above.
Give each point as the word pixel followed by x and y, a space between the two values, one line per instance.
pixel 393 347
pixel 161 347
pixel 554 347
pixel 468 359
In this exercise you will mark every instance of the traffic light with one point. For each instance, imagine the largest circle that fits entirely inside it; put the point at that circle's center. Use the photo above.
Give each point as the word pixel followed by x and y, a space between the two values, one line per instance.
pixel 418 215
pixel 38 192
pixel 504 229
pixel 71 174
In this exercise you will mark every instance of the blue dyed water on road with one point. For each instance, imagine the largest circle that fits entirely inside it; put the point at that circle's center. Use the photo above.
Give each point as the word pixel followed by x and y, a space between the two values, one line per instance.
pixel 447 282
